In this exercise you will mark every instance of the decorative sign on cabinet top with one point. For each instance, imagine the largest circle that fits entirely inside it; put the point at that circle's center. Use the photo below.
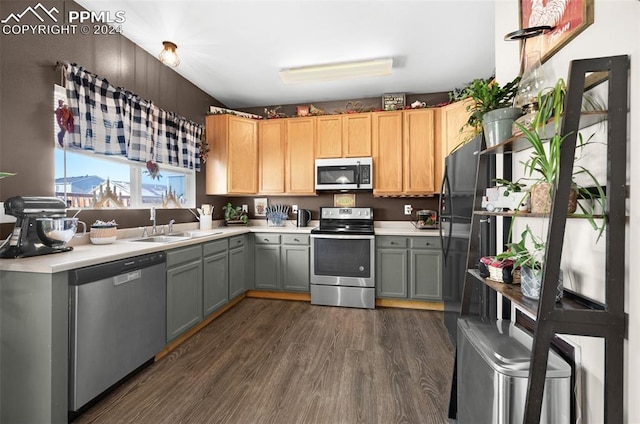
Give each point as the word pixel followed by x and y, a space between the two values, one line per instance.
pixel 393 101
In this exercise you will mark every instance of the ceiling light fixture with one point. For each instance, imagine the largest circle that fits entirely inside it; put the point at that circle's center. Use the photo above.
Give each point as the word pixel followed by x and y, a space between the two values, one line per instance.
pixel 168 55
pixel 337 71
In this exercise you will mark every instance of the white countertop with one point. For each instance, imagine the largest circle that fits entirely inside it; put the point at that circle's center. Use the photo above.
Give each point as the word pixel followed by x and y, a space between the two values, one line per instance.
pixel 85 254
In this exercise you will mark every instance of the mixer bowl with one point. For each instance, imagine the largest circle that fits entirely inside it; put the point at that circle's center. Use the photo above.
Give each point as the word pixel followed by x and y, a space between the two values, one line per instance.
pixel 58 231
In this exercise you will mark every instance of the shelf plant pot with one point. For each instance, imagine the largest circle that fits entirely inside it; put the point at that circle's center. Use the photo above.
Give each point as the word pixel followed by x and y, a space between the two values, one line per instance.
pixel 540 194
pixel 498 124
pixel 531 283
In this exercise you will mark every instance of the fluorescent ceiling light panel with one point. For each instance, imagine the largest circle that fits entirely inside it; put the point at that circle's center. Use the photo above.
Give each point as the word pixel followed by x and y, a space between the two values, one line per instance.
pixel 337 71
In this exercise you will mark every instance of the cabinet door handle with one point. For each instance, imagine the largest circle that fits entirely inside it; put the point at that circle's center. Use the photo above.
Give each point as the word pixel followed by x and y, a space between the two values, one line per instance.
pixel 295 239
pixel 393 242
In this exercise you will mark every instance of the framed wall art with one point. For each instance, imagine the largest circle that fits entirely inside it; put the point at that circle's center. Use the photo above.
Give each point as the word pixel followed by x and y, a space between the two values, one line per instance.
pixel 568 18
pixel 260 206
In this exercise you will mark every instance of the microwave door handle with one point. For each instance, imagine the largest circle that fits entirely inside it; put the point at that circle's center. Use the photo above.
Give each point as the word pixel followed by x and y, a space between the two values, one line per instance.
pixel 358 174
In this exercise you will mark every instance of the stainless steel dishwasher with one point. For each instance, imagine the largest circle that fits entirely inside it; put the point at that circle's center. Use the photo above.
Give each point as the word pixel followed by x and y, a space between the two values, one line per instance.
pixel 117 322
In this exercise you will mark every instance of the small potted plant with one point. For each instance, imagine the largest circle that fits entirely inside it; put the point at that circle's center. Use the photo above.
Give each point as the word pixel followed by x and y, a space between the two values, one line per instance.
pixel 492 110
pixel 543 164
pixel 514 191
pixel 529 260
pixel 234 215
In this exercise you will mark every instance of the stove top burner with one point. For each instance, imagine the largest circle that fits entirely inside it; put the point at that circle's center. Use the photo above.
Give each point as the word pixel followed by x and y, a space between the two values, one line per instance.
pixel 345 221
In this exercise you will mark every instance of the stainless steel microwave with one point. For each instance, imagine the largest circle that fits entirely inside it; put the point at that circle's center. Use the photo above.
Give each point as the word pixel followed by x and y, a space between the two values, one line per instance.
pixel 344 174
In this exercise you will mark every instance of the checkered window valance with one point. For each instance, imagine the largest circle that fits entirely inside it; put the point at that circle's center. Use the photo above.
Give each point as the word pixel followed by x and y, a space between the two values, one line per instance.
pixel 113 121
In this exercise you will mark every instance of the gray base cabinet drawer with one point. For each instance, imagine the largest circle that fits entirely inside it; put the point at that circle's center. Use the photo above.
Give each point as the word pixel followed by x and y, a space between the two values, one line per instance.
pixel 237 241
pixel 425 243
pixel 184 254
pixel 297 239
pixel 267 238
pixel 216 246
pixel 397 242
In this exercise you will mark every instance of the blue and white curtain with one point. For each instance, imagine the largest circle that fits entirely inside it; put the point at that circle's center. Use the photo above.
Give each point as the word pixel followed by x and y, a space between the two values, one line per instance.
pixel 113 121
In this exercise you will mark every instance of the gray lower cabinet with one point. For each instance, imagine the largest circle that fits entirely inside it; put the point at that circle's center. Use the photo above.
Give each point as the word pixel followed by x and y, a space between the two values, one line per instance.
pixel 282 262
pixel 238 262
pixel 215 281
pixel 267 261
pixel 408 268
pixel 295 262
pixel 184 289
pixel 392 273
pixel 425 268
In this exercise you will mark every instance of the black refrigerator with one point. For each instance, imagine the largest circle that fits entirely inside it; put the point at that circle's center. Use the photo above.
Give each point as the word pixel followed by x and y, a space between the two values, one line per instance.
pixel 457 201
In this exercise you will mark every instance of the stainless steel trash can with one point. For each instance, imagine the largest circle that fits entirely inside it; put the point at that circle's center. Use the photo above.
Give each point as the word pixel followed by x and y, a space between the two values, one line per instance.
pixel 493 370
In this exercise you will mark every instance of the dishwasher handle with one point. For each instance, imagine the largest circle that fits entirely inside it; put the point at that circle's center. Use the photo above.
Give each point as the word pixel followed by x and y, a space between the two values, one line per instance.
pixel 121 268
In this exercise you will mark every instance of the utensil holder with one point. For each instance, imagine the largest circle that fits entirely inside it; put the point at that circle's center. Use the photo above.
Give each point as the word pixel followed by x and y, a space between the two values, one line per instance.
pixel 205 222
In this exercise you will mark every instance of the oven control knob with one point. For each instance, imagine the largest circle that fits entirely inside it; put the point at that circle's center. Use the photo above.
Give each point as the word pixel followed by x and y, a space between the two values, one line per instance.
pixel 361 268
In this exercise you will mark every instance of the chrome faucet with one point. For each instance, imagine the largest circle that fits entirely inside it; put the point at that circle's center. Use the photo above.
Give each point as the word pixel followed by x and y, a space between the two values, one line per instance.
pixel 153 218
pixel 171 222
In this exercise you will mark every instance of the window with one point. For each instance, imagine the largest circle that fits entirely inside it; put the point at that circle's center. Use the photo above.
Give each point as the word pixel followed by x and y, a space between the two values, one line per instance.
pixel 84 179
pixel 89 179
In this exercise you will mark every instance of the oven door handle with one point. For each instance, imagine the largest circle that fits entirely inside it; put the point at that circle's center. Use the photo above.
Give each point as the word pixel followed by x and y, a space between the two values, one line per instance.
pixel 343 237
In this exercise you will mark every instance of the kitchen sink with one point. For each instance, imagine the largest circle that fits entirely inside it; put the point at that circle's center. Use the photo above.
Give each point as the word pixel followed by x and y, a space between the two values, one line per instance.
pixel 194 233
pixel 174 237
pixel 162 239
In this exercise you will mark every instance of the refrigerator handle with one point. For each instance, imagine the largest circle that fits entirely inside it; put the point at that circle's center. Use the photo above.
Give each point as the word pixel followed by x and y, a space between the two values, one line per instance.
pixel 445 188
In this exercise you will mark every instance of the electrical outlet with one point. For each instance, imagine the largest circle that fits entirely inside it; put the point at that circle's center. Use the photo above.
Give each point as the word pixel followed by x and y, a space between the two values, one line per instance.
pixel 294 208
pixel 245 208
pixel 407 209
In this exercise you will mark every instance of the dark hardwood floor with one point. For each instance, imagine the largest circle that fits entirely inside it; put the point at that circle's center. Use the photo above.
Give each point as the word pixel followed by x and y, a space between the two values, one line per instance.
pixel 281 362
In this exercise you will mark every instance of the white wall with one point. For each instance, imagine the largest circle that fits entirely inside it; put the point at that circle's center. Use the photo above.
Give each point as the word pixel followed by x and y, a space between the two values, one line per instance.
pixel 615 31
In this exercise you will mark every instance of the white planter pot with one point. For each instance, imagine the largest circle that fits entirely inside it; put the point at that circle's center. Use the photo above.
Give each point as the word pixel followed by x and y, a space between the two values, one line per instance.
pixel 497 124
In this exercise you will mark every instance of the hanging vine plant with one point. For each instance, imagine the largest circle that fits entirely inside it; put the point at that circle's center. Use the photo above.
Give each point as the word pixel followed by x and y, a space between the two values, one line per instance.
pixel 204 147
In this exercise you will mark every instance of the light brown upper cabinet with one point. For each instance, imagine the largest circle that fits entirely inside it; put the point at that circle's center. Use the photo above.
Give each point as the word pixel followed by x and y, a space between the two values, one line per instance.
pixel 339 136
pixel 232 165
pixel 356 135
pixel 272 153
pixel 300 161
pixel 404 153
pixel 449 120
pixel 387 153
pixel 329 136
pixel 419 152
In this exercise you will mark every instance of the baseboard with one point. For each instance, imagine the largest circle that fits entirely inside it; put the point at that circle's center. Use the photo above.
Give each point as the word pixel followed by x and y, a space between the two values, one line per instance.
pixel 410 304
pixel 265 294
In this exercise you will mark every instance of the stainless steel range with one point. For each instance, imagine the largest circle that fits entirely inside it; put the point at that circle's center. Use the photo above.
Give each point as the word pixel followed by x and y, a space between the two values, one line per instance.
pixel 343 258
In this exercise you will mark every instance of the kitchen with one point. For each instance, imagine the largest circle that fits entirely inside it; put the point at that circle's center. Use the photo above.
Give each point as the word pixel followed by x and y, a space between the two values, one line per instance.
pixel 29 73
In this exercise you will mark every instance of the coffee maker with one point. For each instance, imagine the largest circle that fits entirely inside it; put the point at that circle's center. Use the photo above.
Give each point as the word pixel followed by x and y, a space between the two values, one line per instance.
pixel 37 229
